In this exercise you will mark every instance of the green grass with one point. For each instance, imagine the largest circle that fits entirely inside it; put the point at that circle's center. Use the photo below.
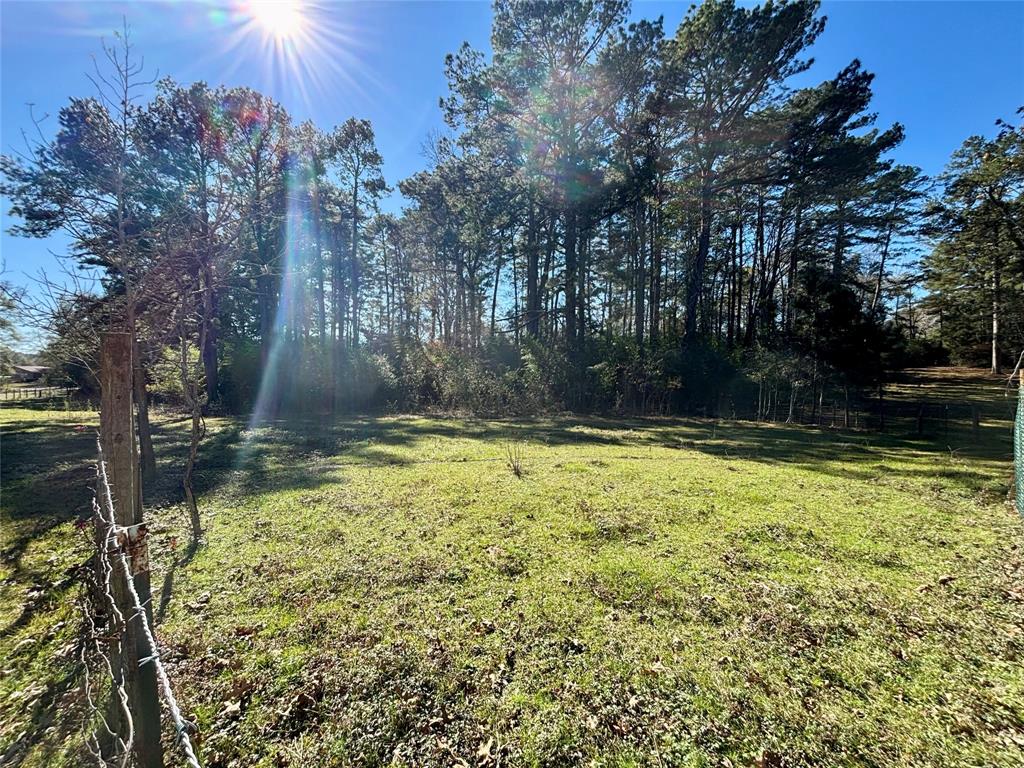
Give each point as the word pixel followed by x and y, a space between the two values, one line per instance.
pixel 649 592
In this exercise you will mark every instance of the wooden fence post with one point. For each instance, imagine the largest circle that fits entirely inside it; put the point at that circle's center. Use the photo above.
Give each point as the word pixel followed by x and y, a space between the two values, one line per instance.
pixel 117 438
pixel 881 407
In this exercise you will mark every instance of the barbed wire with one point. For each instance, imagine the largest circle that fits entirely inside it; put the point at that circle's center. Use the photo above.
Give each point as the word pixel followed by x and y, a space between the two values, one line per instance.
pixel 92 648
pixel 112 565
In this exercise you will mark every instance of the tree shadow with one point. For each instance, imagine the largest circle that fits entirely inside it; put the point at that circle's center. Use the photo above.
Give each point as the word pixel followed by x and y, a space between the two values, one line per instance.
pixel 47 474
pixel 47 469
pixel 304 454
pixel 47 719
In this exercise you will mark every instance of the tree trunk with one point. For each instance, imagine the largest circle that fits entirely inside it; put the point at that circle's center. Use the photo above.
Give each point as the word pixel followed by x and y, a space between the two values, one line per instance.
pixel 656 265
pixel 265 289
pixel 730 323
pixel 193 399
pixel 208 350
pixel 695 278
pixel 497 279
pixel 321 307
pixel 794 261
pixel 146 451
pixel 354 262
pixel 582 297
pixel 840 244
pixel 570 280
pixel 996 278
pixel 639 276
pixel 877 296
pixel 532 277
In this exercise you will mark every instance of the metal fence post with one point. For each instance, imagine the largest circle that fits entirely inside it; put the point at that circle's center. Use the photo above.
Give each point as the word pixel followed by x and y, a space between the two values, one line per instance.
pixel 1018 446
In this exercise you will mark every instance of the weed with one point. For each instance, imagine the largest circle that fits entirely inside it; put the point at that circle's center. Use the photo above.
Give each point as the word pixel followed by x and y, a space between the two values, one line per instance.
pixel 514 459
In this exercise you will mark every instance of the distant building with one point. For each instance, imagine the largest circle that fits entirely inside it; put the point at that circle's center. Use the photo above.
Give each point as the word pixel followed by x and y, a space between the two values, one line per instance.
pixel 28 372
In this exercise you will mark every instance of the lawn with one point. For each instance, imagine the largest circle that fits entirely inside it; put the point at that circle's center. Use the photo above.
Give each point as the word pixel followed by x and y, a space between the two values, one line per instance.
pixel 389 591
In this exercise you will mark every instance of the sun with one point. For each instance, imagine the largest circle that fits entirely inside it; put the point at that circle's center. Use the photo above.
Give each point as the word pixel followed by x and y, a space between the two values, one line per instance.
pixel 299 47
pixel 279 19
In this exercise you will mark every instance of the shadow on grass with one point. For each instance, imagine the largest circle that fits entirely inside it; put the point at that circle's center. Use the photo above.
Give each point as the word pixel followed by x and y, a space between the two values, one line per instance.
pixel 45 718
pixel 302 454
pixel 46 474
pixel 47 470
pixel 47 466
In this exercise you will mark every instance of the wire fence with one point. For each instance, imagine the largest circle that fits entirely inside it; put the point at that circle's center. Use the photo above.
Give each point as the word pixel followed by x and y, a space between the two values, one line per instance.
pixel 109 603
pixel 1018 448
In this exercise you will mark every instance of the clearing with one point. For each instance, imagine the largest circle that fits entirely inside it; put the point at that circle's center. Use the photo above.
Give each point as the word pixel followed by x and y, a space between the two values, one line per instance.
pixel 388 591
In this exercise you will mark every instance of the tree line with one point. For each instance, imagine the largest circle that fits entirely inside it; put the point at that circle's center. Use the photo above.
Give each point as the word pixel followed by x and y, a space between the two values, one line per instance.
pixel 975 272
pixel 615 218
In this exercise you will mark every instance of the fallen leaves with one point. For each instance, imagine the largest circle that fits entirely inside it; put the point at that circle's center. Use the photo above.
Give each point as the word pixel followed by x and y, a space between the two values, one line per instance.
pixel 483 752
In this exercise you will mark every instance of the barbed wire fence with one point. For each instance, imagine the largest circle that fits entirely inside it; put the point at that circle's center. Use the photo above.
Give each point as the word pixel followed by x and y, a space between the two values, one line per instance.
pixel 1018 441
pixel 113 743
pixel 125 684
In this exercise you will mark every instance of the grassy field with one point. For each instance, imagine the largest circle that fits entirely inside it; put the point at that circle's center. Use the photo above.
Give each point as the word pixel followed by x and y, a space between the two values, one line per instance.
pixel 391 591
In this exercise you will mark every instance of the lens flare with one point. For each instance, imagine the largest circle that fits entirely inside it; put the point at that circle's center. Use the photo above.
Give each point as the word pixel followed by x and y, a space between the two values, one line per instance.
pixel 277 387
pixel 304 51
pixel 280 19
pixel 299 50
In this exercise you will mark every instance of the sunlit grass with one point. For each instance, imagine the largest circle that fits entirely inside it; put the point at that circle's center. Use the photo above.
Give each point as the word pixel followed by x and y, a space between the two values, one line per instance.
pixel 389 591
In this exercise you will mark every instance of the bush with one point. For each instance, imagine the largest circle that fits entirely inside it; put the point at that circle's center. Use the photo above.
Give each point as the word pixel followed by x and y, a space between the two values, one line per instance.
pixel 534 377
pixel 466 382
pixel 705 373
pixel 922 353
pixel 165 375
pixel 240 378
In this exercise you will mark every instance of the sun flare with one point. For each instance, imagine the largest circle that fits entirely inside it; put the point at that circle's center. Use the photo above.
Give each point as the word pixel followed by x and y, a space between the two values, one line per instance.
pixel 280 19
pixel 306 47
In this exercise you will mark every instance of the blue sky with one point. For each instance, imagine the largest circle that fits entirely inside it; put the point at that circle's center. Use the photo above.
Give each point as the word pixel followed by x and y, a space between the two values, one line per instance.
pixel 945 70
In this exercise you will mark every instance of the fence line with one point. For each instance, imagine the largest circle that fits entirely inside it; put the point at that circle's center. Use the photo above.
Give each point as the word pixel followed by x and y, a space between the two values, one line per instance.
pixel 113 542
pixel 34 393
pixel 1018 445
pixel 99 587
